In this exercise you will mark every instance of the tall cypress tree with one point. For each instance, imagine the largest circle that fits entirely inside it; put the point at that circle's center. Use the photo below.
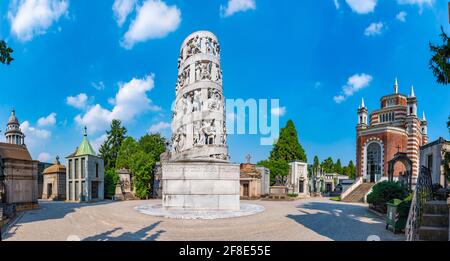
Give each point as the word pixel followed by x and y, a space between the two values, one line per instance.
pixel 110 148
pixel 338 167
pixel 351 169
pixel 109 152
pixel 288 148
pixel 316 163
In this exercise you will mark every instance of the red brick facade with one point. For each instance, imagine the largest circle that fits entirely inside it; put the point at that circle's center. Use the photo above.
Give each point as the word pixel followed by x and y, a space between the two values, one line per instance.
pixel 393 128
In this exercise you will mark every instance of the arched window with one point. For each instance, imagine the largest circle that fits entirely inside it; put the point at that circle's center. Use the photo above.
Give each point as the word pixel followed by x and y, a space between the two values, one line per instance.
pixel 373 161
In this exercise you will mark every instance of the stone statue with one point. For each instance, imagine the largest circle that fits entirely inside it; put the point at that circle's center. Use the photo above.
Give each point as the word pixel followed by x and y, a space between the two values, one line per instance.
pixel 278 180
pixel 285 180
pixel 196 101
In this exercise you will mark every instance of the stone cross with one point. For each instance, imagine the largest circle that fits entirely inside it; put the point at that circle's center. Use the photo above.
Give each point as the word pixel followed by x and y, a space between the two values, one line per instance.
pixel 398 148
pixel 248 158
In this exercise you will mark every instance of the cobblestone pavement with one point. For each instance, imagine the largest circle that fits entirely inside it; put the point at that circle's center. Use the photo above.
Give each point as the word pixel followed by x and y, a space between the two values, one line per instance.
pixel 306 219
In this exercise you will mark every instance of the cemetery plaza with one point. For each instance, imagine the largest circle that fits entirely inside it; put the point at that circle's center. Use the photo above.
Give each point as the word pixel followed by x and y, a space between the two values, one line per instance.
pixel 318 219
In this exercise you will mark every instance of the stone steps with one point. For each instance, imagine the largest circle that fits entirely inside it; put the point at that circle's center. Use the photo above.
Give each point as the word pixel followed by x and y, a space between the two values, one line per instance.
pixel 435 222
pixel 433 233
pixel 436 207
pixel 359 193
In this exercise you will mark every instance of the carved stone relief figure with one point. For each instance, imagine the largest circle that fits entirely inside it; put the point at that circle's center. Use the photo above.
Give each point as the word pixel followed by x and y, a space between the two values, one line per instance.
pixel 209 131
pixel 205 71
pixel 197 101
pixel 214 100
pixel 196 132
pixel 178 139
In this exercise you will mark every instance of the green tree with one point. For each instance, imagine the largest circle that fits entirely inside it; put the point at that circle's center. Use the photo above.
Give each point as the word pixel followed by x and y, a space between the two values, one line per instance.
pixel 351 170
pixel 327 165
pixel 276 167
pixel 110 148
pixel 140 157
pixel 338 167
pixel 5 53
pixel 154 144
pixel 108 152
pixel 142 167
pixel 439 62
pixel 316 163
pixel 126 152
pixel 287 148
pixel 111 179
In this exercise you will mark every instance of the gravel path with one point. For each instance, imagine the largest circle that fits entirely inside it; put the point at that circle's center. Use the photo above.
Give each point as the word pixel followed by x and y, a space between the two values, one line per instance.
pixel 307 219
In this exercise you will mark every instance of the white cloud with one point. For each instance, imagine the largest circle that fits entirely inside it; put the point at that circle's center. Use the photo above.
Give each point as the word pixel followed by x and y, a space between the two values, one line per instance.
pixel 50 120
pixel 97 143
pixel 336 4
pixel 130 101
pixel 362 6
pixel 317 85
pixel 121 9
pixel 44 157
pixel 280 111
pixel 354 83
pixel 420 3
pixel 158 127
pixel 33 17
pixel 401 16
pixel 33 133
pixel 79 101
pixel 235 6
pixel 154 20
pixel 98 86
pixel 374 29
pixel 339 98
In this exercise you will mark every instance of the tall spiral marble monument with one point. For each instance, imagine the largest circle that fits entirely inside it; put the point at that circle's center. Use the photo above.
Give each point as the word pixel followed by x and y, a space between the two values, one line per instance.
pixel 198 175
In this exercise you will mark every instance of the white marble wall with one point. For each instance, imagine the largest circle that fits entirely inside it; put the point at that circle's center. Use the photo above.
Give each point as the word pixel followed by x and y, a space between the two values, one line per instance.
pixel 201 185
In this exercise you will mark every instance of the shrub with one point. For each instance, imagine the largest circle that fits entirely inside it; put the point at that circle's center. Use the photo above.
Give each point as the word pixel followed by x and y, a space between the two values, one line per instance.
pixel 403 211
pixel 384 192
pixel 292 195
pixel 111 179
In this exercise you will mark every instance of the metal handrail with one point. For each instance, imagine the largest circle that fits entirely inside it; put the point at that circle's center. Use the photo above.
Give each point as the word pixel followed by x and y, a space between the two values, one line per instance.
pixel 422 194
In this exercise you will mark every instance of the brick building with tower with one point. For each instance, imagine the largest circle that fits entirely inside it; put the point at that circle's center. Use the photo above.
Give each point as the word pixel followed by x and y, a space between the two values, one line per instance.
pixel 393 128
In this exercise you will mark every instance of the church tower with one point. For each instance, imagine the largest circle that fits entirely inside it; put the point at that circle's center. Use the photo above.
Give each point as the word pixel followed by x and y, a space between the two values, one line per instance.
pixel 13 133
pixel 362 115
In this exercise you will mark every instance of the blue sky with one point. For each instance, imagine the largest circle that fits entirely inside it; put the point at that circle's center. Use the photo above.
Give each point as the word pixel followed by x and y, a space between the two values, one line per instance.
pixel 85 62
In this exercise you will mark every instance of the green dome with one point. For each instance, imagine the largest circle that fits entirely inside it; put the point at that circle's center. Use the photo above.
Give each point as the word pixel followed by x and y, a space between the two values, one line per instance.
pixel 85 147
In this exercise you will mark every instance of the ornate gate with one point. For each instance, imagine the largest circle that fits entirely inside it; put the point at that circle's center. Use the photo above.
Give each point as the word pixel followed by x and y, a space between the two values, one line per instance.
pixel 403 158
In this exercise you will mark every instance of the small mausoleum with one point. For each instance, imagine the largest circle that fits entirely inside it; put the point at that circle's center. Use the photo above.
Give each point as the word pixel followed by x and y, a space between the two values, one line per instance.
pixel 54 184
pixel 85 174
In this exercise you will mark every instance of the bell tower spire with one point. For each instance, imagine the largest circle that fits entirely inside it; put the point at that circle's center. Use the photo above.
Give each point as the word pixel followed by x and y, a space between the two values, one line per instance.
pixel 396 86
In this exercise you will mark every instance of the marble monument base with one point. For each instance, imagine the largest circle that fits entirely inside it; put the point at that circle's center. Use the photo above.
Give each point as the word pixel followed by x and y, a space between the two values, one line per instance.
pixel 200 185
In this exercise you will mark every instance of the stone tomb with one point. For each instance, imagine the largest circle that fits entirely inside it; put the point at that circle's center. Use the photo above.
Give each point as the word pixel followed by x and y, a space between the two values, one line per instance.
pixel 201 186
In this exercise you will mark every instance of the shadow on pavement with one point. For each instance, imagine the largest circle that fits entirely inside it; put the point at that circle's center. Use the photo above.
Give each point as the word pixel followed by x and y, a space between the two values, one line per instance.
pixel 55 210
pixel 342 222
pixel 140 235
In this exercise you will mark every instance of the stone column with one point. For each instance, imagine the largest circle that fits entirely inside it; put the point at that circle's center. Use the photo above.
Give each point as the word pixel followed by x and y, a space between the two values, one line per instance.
pixel 198 175
pixel 199 112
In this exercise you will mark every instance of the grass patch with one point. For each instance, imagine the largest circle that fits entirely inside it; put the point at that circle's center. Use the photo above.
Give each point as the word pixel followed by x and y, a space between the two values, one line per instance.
pixel 336 198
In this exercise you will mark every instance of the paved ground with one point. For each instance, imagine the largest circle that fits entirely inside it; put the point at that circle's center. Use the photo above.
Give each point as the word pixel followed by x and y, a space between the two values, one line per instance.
pixel 308 219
